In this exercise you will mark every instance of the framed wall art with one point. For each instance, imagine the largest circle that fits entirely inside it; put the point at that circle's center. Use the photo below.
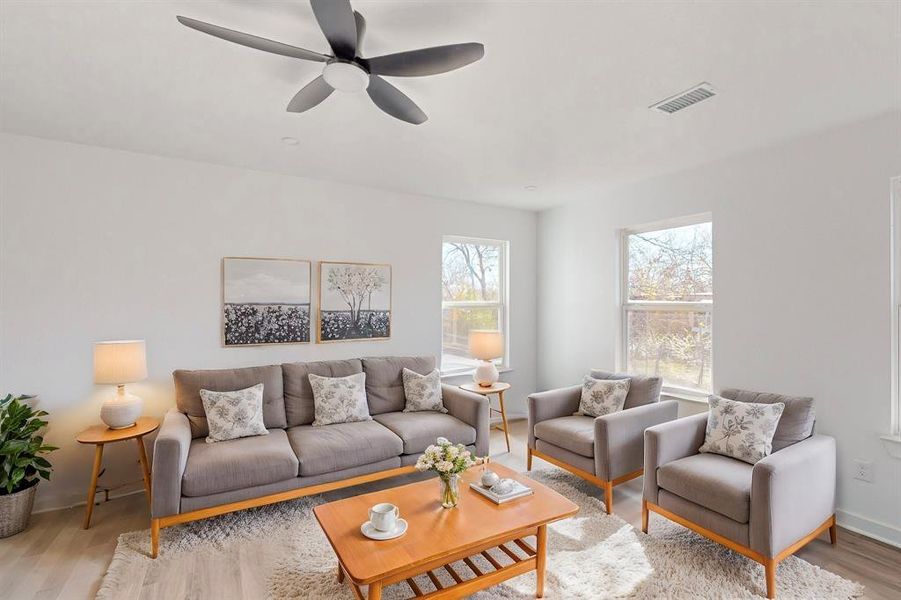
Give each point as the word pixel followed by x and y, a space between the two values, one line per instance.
pixel 265 301
pixel 354 302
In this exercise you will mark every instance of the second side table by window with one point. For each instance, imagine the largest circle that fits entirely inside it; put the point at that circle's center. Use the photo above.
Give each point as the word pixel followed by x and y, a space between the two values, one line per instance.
pixel 498 388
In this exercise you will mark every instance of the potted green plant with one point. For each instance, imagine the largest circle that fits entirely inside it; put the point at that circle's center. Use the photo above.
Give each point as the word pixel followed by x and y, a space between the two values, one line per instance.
pixel 21 463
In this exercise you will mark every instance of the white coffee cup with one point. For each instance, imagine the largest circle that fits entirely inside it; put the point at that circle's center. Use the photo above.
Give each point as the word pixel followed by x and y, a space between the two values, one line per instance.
pixel 384 516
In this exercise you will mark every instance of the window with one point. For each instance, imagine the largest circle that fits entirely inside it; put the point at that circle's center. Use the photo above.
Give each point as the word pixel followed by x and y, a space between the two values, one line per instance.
pixel 668 303
pixel 474 296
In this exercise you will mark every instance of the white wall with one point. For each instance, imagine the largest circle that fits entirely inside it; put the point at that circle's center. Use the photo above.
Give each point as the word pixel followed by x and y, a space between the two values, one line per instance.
pixel 104 244
pixel 801 284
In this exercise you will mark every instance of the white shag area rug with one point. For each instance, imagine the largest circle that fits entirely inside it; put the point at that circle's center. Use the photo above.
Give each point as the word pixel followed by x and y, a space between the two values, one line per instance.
pixel 279 551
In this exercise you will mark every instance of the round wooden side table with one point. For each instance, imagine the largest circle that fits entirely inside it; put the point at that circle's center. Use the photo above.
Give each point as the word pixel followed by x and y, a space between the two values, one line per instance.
pixel 498 388
pixel 100 435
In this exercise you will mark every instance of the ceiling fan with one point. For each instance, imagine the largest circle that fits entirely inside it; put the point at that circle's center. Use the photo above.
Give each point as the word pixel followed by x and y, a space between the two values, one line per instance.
pixel 346 70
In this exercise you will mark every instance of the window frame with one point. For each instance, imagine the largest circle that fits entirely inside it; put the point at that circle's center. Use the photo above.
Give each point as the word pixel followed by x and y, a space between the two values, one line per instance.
pixel 895 196
pixel 627 305
pixel 502 304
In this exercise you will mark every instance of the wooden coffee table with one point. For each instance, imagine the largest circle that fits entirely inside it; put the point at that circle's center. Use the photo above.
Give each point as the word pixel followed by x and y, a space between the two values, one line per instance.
pixel 438 537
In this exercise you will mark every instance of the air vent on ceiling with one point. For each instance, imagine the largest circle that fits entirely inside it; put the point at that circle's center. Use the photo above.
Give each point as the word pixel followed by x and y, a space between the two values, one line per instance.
pixel 698 93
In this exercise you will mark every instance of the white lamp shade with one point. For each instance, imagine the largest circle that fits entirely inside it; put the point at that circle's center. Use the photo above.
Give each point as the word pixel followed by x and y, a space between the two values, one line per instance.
pixel 486 344
pixel 121 361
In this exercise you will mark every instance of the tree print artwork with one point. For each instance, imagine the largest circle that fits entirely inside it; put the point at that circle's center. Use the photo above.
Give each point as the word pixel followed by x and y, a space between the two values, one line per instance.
pixel 265 301
pixel 355 301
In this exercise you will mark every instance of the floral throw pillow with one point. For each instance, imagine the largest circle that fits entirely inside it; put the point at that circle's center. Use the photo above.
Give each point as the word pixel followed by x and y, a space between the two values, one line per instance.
pixel 742 430
pixel 423 392
pixel 602 396
pixel 232 415
pixel 339 399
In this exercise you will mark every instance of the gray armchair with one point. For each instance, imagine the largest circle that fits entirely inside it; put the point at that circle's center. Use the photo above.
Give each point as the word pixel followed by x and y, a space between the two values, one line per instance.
pixel 766 511
pixel 605 451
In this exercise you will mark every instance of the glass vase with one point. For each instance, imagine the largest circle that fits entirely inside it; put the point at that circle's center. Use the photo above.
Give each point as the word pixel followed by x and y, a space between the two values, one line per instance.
pixel 450 491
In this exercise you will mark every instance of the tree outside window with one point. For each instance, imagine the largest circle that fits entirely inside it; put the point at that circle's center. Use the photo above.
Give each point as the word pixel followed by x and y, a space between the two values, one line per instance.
pixel 473 288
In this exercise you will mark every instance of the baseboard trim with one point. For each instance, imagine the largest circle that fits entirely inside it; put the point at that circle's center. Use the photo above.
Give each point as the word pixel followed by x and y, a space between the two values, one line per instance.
pixel 882 532
pixel 74 503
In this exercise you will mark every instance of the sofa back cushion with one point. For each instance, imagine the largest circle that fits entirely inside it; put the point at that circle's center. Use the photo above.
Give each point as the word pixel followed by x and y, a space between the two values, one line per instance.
pixel 385 382
pixel 298 391
pixel 797 419
pixel 642 389
pixel 189 383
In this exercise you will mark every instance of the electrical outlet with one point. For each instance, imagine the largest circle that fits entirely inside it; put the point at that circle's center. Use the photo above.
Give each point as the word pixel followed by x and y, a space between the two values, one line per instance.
pixel 863 470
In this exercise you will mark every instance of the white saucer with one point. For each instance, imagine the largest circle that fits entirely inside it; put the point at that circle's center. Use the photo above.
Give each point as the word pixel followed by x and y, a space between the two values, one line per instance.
pixel 374 534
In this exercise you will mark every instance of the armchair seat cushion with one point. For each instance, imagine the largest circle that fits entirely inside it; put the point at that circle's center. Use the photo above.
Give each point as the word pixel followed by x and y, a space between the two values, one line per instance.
pixel 574 433
pixel 237 464
pixel 716 482
pixel 420 429
pixel 329 448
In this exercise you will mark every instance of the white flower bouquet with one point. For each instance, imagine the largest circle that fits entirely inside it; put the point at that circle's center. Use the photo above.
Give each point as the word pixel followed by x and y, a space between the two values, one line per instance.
pixel 448 460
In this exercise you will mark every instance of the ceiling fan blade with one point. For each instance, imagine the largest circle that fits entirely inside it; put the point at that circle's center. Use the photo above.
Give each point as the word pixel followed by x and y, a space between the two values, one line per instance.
pixel 252 41
pixel 361 29
pixel 394 102
pixel 336 19
pixel 310 95
pixel 427 61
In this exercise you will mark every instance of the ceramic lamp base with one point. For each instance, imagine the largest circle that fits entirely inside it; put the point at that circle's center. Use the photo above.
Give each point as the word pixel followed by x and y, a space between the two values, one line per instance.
pixel 486 374
pixel 122 410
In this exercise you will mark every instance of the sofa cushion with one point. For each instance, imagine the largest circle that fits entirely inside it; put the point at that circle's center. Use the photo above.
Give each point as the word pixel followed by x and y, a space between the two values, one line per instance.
pixel 642 389
pixel 574 433
pixel 419 430
pixel 602 396
pixel 340 399
pixel 384 380
pixel 716 482
pixel 237 464
pixel 232 415
pixel 327 448
pixel 298 392
pixel 189 383
pixel 796 422
pixel 742 430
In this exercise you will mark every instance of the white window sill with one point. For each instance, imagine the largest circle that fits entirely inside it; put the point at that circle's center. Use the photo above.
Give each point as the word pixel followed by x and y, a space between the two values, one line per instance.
pixel 675 394
pixel 892 445
pixel 469 373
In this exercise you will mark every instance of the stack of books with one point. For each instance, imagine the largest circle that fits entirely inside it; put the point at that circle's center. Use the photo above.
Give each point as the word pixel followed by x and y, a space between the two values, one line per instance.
pixel 518 490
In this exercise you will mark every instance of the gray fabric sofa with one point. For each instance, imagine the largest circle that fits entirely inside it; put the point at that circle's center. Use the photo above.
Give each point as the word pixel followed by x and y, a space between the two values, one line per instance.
pixel 606 450
pixel 192 479
pixel 765 511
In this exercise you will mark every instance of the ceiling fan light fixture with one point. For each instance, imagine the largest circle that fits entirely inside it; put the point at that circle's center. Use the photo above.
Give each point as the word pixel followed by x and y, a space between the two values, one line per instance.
pixel 345 76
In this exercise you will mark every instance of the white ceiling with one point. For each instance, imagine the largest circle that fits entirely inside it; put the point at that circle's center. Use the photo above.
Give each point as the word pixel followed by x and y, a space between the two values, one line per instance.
pixel 559 101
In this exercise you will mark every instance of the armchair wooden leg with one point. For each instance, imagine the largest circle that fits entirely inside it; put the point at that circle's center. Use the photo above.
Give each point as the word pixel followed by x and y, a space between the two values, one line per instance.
pixel 154 537
pixel 608 496
pixel 833 532
pixel 770 567
pixel 644 516
pixel 528 459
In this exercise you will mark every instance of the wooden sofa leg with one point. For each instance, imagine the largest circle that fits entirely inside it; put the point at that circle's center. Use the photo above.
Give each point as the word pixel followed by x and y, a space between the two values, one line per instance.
pixel 528 459
pixel 770 567
pixel 644 516
pixel 154 537
pixel 608 496
pixel 833 532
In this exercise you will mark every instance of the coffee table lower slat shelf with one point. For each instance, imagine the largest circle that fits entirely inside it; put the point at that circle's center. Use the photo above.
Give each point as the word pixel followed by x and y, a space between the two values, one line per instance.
pixel 483 579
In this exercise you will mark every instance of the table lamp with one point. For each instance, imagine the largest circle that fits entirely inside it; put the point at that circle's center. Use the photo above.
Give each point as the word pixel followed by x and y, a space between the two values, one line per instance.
pixel 486 345
pixel 120 362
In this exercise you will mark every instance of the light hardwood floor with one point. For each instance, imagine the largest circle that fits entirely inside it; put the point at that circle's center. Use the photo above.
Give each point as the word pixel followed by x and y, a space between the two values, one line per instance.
pixel 55 558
